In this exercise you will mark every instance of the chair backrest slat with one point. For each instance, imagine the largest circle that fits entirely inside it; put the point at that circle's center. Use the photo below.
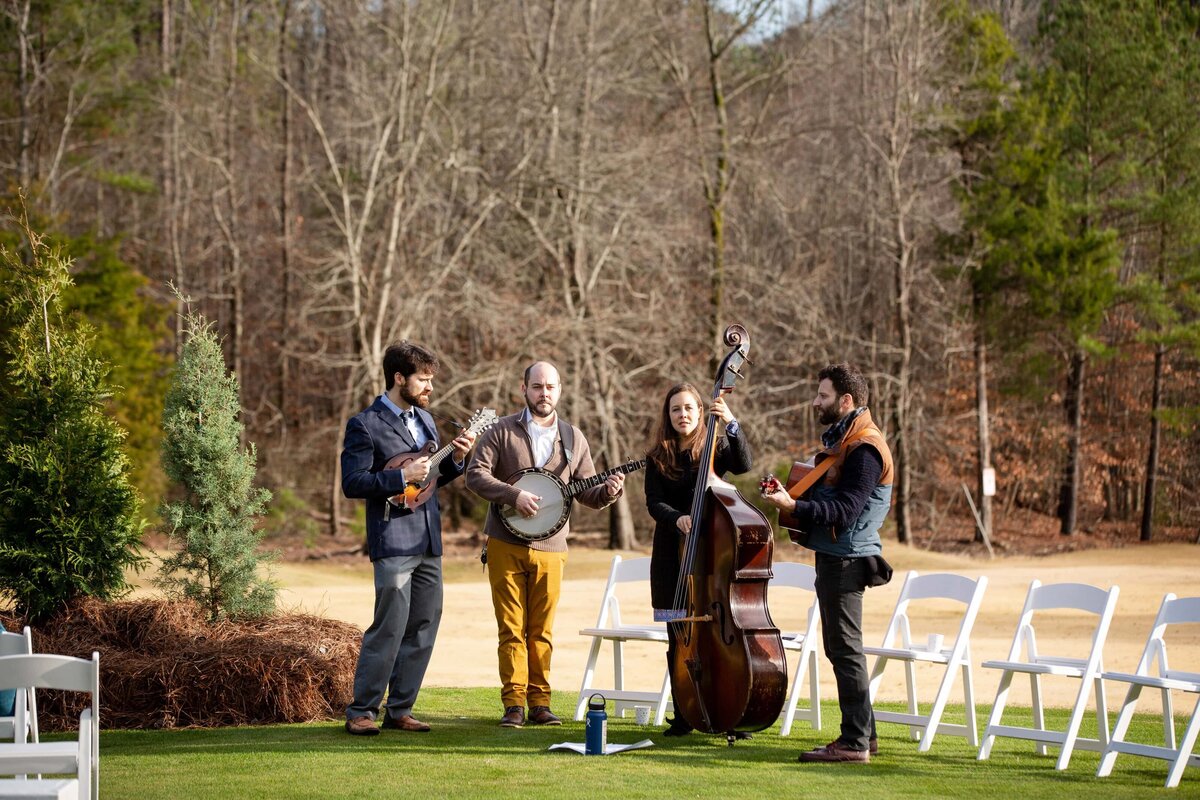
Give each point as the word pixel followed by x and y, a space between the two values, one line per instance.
pixel 944 585
pixel 1181 610
pixel 1081 596
pixel 44 671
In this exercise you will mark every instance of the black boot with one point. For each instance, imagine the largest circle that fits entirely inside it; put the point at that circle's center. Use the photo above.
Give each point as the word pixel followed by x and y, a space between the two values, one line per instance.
pixel 677 727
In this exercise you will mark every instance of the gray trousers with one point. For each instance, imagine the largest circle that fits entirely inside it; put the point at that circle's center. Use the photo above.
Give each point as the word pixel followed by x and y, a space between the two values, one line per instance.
pixel 396 648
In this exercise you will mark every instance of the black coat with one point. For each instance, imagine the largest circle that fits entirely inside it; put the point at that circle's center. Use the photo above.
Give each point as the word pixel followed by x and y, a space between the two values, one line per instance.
pixel 667 500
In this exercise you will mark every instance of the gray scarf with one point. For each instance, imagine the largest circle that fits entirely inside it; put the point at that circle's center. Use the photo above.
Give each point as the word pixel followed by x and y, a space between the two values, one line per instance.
pixel 834 434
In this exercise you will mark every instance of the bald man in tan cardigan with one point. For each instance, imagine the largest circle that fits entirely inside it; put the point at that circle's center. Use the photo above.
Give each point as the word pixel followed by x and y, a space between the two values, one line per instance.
pixel 526 577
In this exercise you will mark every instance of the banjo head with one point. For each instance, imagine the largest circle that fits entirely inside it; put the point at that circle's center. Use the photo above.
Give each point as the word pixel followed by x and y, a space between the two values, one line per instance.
pixel 553 510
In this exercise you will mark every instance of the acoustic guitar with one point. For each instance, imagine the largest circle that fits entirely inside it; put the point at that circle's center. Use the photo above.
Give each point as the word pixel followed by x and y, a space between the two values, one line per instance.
pixel 770 484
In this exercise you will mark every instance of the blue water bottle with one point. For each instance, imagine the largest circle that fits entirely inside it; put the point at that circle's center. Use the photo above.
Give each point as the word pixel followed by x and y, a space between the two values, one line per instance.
pixel 595 726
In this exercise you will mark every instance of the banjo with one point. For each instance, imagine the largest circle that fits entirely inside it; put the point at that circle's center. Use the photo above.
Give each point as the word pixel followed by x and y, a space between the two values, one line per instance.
pixel 555 507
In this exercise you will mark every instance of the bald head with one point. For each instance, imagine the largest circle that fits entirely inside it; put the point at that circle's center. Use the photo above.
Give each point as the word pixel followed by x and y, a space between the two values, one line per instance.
pixel 542 389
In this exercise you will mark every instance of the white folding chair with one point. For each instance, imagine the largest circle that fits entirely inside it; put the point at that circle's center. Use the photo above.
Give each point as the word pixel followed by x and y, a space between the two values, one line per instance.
pixel 790 575
pixel 22 725
pixel 612 628
pixel 1036 663
pixel 80 757
pixel 1172 612
pixel 929 592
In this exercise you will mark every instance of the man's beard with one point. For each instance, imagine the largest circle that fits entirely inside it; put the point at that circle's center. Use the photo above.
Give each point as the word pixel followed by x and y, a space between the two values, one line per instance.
pixel 533 408
pixel 420 401
pixel 828 416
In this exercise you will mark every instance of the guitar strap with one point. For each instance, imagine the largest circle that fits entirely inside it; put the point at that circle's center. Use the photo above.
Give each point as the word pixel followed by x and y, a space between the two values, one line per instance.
pixel 566 437
pixel 808 481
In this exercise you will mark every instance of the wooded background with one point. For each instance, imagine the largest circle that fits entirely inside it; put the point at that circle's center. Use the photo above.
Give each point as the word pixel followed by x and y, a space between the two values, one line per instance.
pixel 991 207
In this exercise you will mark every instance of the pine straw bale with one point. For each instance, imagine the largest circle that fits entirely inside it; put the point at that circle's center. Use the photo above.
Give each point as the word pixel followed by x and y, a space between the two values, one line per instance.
pixel 163 666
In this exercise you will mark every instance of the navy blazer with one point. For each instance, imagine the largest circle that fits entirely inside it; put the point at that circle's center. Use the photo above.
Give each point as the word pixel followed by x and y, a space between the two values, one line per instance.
pixel 374 437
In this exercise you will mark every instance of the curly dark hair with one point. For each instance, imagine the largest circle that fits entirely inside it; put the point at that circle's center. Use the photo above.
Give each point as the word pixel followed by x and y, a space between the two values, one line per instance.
pixel 407 358
pixel 846 379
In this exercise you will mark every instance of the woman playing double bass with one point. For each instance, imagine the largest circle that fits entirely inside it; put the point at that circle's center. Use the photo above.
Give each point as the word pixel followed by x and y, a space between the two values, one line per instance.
pixel 671 470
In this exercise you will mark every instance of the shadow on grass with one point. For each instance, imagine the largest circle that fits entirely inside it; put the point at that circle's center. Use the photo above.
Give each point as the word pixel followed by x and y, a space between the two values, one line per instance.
pixel 468 755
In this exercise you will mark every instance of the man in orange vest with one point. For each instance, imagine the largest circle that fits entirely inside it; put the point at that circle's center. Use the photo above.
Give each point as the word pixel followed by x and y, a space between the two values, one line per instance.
pixel 841 516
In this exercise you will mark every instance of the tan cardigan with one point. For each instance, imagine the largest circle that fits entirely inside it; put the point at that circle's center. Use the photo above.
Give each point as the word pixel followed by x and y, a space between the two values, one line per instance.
pixel 504 449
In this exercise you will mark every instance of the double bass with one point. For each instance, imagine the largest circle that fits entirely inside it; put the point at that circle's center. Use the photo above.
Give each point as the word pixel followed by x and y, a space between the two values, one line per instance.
pixel 729 671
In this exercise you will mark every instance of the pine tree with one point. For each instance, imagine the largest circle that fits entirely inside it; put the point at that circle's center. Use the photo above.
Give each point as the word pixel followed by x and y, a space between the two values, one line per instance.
pixel 130 330
pixel 217 564
pixel 69 517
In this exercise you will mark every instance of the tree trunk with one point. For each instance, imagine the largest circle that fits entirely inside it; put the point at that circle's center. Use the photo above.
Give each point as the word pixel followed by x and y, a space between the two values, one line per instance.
pixel 171 170
pixel 285 228
pixel 25 91
pixel 232 230
pixel 715 193
pixel 1155 438
pixel 984 436
pixel 621 532
pixel 1068 506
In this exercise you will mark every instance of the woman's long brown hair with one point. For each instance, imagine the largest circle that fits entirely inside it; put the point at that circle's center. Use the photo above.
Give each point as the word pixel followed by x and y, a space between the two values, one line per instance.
pixel 666 445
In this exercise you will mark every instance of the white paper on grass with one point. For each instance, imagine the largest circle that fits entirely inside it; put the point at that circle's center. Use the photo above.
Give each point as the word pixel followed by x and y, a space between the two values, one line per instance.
pixel 609 749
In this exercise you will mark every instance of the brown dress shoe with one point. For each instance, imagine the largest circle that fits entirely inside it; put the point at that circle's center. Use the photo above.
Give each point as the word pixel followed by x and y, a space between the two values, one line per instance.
pixel 361 726
pixel 405 723
pixel 514 717
pixel 540 715
pixel 835 753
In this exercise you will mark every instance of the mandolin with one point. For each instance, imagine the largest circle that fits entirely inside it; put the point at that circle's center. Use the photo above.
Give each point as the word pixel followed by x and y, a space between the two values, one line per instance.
pixel 417 492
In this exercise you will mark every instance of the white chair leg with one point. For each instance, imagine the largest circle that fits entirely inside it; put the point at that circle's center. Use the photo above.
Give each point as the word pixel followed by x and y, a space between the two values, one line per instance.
pixel 985 749
pixel 1109 759
pixel 814 690
pixel 661 712
pixel 910 678
pixel 935 712
pixel 1168 719
pixel 83 770
pixel 1068 747
pixel 789 714
pixel 1102 729
pixel 1185 749
pixel 1039 714
pixel 618 665
pixel 969 700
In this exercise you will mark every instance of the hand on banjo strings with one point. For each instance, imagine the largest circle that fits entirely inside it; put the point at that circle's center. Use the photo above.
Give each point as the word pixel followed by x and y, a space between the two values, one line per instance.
pixel 527 504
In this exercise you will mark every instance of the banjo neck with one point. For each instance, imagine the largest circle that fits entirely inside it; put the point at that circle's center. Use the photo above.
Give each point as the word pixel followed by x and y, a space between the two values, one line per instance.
pixel 583 484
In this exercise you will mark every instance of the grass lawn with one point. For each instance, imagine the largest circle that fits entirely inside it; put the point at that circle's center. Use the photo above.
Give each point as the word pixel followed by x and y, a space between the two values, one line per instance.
pixel 468 755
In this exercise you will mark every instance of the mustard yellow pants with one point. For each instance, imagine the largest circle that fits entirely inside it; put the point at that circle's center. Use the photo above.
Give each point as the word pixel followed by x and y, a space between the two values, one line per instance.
pixel 525 588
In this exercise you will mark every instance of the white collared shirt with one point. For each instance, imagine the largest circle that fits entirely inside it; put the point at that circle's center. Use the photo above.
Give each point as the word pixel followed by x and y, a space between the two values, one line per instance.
pixel 542 438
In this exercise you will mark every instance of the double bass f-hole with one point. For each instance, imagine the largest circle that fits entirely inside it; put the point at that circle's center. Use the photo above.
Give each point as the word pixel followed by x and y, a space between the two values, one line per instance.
pixel 721 619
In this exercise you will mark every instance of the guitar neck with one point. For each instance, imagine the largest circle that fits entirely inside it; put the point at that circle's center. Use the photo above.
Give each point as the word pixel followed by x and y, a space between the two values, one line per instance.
pixel 583 484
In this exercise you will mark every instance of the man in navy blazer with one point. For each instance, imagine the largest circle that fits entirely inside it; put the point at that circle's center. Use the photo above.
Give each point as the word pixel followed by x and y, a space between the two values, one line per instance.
pixel 405 545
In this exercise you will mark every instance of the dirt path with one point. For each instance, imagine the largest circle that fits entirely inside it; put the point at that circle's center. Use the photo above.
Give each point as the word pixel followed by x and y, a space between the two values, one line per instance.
pixel 466 648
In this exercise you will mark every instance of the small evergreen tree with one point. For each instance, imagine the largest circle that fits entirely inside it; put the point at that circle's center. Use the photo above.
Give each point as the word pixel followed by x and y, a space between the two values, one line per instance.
pixel 130 328
pixel 69 516
pixel 214 524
